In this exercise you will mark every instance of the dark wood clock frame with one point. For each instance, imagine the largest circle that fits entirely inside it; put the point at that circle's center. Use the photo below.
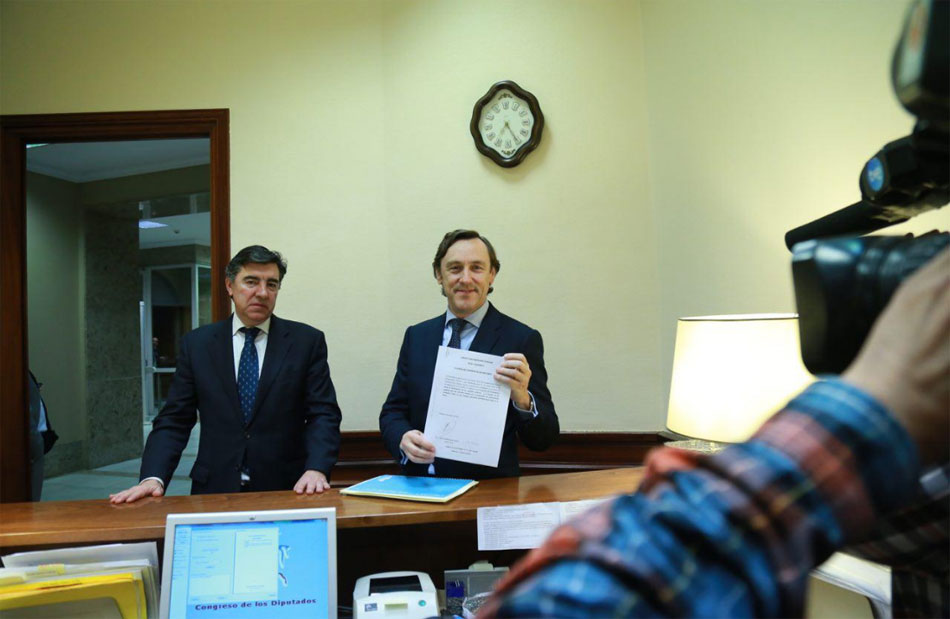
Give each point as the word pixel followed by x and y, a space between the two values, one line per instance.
pixel 533 141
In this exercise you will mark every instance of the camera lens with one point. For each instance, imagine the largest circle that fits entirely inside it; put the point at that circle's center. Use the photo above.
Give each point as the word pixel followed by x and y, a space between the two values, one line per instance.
pixel 842 285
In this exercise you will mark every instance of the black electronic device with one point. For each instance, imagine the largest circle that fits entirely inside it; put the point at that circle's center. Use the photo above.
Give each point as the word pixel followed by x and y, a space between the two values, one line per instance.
pixel 842 284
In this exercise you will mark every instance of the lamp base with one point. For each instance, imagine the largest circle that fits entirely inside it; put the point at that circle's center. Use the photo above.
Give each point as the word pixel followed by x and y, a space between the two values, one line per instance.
pixel 693 444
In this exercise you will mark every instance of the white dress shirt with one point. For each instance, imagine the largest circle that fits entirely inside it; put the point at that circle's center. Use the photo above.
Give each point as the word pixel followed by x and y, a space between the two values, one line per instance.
pixel 472 322
pixel 238 337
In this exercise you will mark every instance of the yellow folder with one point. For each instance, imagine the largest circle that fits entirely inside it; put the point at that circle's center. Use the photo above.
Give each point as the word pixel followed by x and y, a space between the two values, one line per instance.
pixel 126 589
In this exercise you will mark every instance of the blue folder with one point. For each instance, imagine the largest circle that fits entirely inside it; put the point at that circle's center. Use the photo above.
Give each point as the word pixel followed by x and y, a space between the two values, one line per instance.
pixel 430 489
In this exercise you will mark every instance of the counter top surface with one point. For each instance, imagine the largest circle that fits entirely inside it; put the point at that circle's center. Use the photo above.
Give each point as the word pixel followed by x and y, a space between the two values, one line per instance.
pixel 98 521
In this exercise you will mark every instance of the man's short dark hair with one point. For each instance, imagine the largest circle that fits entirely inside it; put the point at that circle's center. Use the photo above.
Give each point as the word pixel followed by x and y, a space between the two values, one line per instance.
pixel 450 239
pixel 257 254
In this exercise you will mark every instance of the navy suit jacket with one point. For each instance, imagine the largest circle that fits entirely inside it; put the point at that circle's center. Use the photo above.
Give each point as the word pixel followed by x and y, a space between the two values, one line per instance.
pixel 295 425
pixel 408 402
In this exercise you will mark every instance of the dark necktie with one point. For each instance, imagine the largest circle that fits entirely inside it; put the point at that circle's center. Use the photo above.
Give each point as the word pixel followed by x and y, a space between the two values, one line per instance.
pixel 247 372
pixel 457 325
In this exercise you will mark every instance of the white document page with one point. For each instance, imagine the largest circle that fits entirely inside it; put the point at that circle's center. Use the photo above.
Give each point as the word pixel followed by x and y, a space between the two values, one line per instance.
pixel 516 527
pixel 520 527
pixel 569 509
pixel 872 580
pixel 467 407
pixel 85 554
pixel 256 558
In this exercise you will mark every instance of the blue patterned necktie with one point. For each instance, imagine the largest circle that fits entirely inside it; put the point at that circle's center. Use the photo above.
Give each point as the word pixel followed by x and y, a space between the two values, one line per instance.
pixel 457 325
pixel 247 372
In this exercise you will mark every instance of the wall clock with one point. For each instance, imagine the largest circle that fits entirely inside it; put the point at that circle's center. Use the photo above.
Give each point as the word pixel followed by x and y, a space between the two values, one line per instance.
pixel 506 124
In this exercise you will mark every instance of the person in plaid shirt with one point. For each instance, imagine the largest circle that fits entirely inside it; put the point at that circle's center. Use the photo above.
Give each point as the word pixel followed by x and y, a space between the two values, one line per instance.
pixel 736 533
pixel 915 542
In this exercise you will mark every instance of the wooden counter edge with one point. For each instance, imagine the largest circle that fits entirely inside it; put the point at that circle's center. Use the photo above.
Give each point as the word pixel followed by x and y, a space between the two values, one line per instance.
pixel 50 528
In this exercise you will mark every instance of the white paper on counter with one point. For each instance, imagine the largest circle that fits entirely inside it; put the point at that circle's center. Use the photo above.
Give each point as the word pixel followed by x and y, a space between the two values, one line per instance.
pixel 519 527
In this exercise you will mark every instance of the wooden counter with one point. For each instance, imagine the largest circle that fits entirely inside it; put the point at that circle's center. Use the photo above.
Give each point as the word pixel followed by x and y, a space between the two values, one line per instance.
pixel 373 535
pixel 94 522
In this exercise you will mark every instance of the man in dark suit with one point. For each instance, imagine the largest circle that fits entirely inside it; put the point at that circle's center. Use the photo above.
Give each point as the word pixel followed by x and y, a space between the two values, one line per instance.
pixel 465 266
pixel 42 436
pixel 269 416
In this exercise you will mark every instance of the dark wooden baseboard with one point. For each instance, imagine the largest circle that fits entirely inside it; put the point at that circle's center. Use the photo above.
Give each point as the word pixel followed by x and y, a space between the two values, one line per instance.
pixel 362 454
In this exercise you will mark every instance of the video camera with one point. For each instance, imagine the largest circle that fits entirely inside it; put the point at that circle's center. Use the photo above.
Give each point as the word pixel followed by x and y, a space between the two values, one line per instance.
pixel 842 284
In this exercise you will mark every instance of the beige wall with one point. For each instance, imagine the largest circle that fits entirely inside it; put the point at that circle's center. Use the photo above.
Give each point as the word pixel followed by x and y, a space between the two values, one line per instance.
pixel 761 117
pixel 682 139
pixel 350 152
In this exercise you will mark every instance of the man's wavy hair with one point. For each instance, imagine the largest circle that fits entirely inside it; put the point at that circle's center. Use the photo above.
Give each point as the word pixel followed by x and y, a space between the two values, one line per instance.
pixel 257 254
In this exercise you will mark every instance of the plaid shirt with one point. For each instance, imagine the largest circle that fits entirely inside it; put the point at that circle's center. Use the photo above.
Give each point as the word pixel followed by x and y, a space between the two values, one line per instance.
pixel 734 534
pixel 915 542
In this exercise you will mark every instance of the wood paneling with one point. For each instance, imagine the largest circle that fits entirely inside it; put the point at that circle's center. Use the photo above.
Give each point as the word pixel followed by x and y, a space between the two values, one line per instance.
pixel 14 413
pixel 373 535
pixel 15 133
pixel 98 521
pixel 362 454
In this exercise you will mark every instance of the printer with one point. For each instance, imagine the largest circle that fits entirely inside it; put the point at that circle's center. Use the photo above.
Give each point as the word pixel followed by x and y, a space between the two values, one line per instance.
pixel 407 595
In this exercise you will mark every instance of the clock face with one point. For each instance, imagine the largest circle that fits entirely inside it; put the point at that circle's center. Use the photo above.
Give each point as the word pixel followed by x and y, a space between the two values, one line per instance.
pixel 506 123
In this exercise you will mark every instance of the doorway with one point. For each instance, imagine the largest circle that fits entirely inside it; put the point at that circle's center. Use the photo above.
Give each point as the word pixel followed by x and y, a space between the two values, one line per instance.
pixel 15 133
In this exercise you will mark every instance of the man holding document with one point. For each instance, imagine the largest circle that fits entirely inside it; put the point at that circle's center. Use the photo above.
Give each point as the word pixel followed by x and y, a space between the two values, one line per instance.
pixel 471 382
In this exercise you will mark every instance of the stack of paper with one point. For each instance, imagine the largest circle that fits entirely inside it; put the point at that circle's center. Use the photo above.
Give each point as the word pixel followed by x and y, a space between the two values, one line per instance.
pixel 117 580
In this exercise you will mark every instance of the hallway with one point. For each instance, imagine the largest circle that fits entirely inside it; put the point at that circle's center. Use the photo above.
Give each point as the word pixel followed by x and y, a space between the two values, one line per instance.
pixel 99 483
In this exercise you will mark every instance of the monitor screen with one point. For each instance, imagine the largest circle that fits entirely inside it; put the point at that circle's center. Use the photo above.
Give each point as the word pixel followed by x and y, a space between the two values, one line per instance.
pixel 225 565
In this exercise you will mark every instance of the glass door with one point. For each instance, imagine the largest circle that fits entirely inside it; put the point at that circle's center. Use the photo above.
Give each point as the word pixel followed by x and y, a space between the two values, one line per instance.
pixel 176 299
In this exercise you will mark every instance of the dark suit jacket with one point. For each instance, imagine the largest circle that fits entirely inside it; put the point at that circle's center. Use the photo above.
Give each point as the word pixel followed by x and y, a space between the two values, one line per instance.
pixel 295 425
pixel 408 402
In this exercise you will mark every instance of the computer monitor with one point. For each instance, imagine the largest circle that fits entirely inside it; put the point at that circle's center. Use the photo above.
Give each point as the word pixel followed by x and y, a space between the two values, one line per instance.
pixel 225 565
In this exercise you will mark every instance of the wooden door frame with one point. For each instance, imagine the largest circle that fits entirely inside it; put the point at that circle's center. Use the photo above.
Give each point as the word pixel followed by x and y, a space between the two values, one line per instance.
pixel 16 131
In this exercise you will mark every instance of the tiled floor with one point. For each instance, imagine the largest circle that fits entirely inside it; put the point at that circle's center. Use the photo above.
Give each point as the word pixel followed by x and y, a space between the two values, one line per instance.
pixel 100 483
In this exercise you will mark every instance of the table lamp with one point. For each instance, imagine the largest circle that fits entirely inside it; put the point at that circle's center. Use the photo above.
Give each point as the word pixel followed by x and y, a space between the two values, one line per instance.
pixel 730 373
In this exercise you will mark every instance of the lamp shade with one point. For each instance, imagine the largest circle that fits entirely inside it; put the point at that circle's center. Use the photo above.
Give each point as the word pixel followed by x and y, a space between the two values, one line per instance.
pixel 730 373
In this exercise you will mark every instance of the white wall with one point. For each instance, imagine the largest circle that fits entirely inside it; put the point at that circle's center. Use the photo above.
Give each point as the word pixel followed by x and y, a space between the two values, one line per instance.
pixel 761 116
